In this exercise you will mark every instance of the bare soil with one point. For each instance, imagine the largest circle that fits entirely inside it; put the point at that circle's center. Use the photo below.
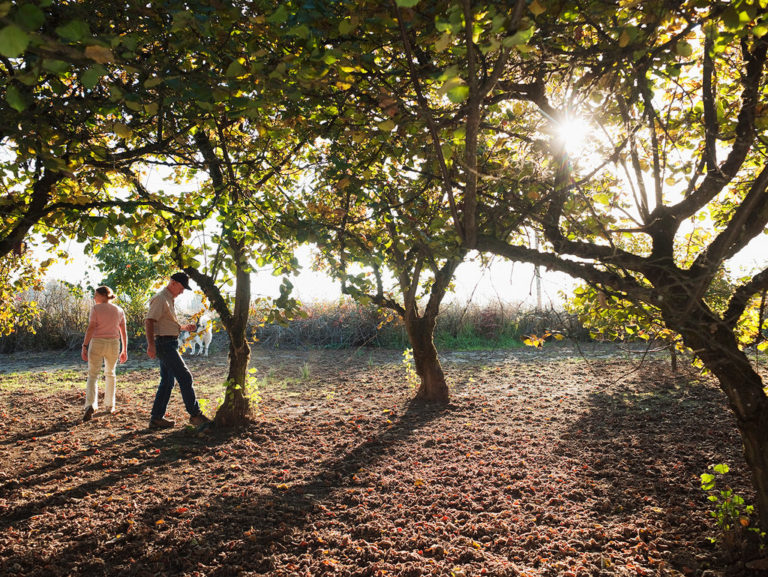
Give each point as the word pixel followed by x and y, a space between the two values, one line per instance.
pixel 544 463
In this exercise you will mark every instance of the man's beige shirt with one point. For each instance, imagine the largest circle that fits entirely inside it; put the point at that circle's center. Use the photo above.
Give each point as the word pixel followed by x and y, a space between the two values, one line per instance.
pixel 162 311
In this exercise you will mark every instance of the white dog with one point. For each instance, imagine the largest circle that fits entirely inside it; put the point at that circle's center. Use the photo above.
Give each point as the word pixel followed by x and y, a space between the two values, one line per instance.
pixel 200 338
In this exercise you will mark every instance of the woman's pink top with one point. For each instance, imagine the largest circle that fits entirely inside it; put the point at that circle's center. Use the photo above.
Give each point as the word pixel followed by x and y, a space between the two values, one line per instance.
pixel 105 320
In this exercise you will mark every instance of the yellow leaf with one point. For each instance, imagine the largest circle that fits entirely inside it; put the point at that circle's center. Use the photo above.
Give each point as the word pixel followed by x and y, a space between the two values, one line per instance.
pixel 443 42
pixel 624 39
pixel 122 130
pixel 536 8
pixel 100 54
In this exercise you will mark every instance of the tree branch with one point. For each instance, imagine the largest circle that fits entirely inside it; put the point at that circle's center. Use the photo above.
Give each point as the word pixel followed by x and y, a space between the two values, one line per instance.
pixel 741 296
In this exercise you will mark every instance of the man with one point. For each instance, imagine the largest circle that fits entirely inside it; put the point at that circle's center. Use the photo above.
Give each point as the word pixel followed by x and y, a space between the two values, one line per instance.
pixel 162 328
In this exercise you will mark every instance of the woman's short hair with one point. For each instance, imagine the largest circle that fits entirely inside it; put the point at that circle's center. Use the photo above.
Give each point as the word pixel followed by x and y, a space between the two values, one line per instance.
pixel 106 291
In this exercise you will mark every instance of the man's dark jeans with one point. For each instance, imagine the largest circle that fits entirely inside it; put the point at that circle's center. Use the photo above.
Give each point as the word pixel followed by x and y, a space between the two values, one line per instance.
pixel 173 367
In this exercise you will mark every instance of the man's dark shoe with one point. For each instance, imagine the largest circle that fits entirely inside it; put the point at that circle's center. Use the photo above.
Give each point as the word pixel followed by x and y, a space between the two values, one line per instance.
pixel 200 420
pixel 161 423
pixel 88 414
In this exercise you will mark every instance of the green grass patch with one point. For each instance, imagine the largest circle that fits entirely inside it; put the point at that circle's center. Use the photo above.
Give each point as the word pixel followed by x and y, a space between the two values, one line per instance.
pixel 44 381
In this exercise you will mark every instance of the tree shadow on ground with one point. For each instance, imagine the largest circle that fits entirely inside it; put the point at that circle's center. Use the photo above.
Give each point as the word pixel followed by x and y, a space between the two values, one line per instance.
pixel 272 514
pixel 83 468
pixel 644 444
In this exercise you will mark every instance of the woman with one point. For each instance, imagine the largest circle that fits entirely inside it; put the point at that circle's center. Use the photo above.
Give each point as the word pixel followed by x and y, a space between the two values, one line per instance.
pixel 106 328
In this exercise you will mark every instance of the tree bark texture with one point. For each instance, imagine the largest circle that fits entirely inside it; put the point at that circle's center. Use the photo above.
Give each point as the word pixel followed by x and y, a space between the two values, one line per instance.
pixel 715 344
pixel 433 387
pixel 236 409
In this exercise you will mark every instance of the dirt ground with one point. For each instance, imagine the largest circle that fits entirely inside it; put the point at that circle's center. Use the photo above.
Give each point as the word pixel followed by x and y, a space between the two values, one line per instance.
pixel 545 463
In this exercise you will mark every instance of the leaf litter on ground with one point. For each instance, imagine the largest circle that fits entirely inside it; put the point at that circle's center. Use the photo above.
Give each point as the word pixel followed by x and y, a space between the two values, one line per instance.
pixel 540 465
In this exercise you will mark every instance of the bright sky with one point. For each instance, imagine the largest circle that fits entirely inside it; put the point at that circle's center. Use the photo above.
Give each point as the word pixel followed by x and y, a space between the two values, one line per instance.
pixel 503 281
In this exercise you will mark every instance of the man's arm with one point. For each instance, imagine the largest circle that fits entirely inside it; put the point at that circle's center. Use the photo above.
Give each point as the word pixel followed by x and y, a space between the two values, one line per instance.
pixel 149 329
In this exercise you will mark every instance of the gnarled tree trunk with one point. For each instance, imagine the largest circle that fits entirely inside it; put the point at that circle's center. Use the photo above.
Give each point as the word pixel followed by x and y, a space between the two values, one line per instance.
pixel 236 409
pixel 433 387
pixel 715 344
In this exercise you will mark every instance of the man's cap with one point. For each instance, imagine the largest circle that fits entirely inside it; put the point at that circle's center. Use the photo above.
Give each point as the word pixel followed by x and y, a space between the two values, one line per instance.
pixel 181 278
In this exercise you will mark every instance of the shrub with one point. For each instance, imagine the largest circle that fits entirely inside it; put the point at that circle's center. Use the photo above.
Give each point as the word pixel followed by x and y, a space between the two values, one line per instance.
pixel 460 326
pixel 60 322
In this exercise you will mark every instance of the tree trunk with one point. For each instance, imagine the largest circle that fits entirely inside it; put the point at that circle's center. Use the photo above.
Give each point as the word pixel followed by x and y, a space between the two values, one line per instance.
pixel 715 344
pixel 673 357
pixel 433 387
pixel 236 409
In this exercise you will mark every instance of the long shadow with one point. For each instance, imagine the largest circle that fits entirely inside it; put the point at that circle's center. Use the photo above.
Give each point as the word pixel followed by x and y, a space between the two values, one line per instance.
pixel 272 515
pixel 168 443
pixel 58 463
pixel 58 426
pixel 289 510
pixel 643 446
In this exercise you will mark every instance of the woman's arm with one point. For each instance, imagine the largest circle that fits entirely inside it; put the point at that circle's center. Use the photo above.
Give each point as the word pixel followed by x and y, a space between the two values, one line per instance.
pixel 87 338
pixel 124 338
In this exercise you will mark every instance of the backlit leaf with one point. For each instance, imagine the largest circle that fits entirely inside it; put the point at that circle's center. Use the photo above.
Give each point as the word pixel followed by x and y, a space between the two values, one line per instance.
pixel 536 8
pixel 30 16
pixel 13 41
pixel 73 31
pixel 91 77
pixel 458 94
pixel 100 54
pixel 15 99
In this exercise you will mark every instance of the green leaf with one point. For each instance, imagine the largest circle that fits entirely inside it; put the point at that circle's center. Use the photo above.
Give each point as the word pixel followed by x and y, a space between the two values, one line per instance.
pixel 56 66
pixel 346 26
pixel 15 99
pixel 235 70
pixel 407 3
pixel 100 229
pixel 721 468
pixel 458 94
pixel 13 41
pixel 731 18
pixel 278 16
pixel 302 31
pixel 684 49
pixel 90 78
pixel 443 42
pixel 73 31
pixel 518 38
pixel 152 82
pixel 30 16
